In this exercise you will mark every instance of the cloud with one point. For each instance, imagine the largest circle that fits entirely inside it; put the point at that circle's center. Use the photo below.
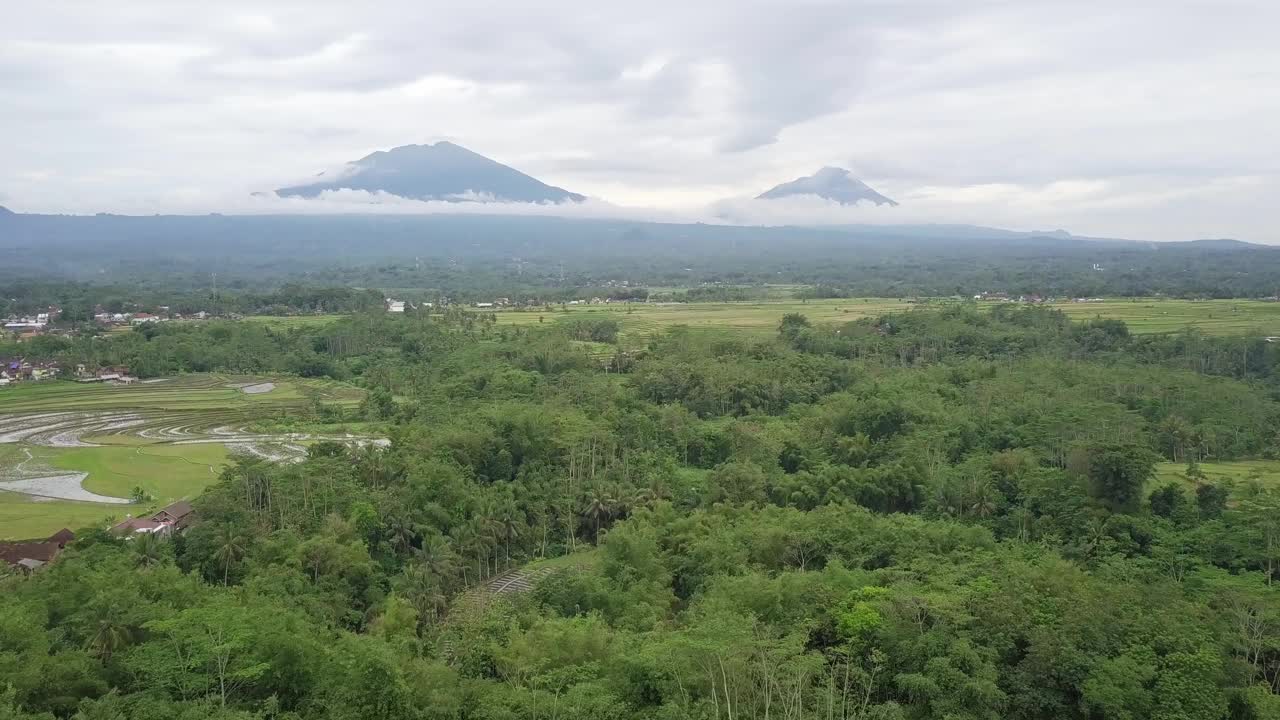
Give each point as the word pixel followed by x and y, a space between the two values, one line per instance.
pixel 1144 118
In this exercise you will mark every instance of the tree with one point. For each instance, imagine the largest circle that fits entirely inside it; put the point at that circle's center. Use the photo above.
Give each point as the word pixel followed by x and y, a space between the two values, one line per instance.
pixel 1118 472
pixel 148 550
pixel 1212 500
pixel 1168 500
pixel 209 650
pixel 599 507
pixel 232 544
pixel 112 631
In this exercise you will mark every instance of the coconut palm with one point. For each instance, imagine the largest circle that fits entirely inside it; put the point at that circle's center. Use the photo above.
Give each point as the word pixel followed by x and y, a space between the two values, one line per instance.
pixel 110 632
pixel 600 505
pixel 510 526
pixel 424 590
pixel 232 544
pixel 984 503
pixel 437 556
pixel 148 550
pixel 401 532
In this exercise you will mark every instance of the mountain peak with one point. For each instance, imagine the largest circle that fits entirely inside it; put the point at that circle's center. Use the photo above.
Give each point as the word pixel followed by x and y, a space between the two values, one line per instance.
pixel 830 183
pixel 441 171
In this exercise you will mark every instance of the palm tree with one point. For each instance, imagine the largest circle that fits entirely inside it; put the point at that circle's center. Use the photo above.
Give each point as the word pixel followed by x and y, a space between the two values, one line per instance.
pixel 232 546
pixel 373 466
pixel 466 537
pixel 437 556
pixel 148 550
pixel 423 590
pixel 490 525
pixel 110 634
pixel 984 504
pixel 510 526
pixel 599 507
pixel 1098 537
pixel 401 532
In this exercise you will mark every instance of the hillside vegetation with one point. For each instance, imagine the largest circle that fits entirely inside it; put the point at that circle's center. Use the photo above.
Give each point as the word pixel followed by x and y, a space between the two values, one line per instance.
pixel 939 513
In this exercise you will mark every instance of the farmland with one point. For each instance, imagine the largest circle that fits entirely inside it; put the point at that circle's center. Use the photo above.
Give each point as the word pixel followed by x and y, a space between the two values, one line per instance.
pixel 1143 315
pixel 69 451
pixel 288 322
pixel 757 318
pixel 1216 317
pixel 1238 473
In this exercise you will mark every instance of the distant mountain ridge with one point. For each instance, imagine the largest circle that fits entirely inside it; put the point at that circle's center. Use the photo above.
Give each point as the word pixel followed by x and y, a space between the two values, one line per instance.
pixel 443 171
pixel 829 183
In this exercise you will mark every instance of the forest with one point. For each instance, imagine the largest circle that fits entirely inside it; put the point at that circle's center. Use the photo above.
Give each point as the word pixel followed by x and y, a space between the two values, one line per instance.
pixel 548 259
pixel 939 513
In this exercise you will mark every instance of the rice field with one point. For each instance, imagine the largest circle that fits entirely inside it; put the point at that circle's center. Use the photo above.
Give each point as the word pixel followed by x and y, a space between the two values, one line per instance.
pixel 74 452
pixel 1236 472
pixel 1143 315
pixel 293 321
pixel 1215 317
pixel 637 320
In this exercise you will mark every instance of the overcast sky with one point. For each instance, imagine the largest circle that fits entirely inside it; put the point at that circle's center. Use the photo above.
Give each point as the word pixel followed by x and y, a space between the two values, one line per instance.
pixel 1153 120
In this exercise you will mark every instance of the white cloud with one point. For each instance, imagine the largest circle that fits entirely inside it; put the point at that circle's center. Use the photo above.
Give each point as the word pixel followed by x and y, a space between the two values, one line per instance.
pixel 1147 119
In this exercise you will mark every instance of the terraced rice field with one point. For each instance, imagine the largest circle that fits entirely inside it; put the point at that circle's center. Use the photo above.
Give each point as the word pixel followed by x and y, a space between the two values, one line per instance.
pixel 71 452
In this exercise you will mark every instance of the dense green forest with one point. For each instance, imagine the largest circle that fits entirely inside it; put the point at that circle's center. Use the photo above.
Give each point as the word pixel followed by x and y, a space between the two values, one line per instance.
pixel 173 259
pixel 937 514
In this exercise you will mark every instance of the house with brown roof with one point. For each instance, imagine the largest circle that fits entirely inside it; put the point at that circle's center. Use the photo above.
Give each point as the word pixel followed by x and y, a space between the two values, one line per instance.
pixel 140 525
pixel 30 555
pixel 170 519
pixel 178 514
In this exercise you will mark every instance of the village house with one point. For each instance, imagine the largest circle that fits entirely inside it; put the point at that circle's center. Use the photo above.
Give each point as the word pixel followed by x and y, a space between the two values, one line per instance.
pixel 27 556
pixel 21 370
pixel 117 375
pixel 395 306
pixel 170 519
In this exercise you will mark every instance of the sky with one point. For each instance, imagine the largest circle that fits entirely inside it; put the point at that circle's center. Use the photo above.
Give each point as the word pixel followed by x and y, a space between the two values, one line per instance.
pixel 1147 120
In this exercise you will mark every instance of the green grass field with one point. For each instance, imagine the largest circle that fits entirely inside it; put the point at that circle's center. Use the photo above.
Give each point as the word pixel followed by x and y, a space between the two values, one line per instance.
pixel 167 473
pixel 23 517
pixel 638 320
pixel 758 318
pixel 293 321
pixel 1216 317
pixel 1239 472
